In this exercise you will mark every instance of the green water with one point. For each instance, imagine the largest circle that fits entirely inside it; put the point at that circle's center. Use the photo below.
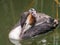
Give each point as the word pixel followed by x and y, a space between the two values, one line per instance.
pixel 10 11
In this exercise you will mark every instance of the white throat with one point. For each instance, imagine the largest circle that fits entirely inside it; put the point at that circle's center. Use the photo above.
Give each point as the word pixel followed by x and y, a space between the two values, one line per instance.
pixel 14 34
pixel 27 26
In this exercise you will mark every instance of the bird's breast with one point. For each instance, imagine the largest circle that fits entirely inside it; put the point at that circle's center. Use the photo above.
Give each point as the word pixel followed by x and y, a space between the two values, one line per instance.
pixel 14 34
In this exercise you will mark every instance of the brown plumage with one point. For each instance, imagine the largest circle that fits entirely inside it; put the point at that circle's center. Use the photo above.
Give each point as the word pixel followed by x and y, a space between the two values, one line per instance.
pixel 32 19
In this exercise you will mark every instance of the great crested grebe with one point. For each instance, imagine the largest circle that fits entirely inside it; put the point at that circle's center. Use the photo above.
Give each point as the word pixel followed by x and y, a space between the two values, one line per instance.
pixel 27 20
pixel 31 25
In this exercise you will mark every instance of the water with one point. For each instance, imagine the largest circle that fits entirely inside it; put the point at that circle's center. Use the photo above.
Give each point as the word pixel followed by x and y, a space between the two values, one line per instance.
pixel 10 11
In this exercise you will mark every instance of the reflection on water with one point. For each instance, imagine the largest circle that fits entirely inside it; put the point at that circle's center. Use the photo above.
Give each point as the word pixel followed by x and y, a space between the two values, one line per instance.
pixel 44 41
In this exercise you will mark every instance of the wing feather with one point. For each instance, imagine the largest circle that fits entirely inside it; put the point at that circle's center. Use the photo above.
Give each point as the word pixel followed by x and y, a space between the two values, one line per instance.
pixel 43 27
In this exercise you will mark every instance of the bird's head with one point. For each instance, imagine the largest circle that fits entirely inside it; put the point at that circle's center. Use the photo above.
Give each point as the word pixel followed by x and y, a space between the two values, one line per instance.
pixel 32 11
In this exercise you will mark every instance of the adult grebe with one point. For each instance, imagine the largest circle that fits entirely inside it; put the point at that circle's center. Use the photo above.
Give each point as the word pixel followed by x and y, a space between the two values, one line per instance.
pixel 19 29
pixel 30 25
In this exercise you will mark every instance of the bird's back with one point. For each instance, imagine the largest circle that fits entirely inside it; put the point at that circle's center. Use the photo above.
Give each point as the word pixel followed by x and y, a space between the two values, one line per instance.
pixel 44 23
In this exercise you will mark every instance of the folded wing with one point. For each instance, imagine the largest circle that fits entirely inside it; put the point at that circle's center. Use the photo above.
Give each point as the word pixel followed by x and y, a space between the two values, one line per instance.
pixel 44 23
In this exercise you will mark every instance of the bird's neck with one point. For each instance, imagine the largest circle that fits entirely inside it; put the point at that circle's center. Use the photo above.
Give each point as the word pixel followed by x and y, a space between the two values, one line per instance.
pixel 29 22
pixel 30 19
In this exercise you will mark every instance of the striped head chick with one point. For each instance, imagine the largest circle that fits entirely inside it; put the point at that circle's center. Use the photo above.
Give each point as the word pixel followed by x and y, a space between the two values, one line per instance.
pixel 31 17
pixel 30 21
